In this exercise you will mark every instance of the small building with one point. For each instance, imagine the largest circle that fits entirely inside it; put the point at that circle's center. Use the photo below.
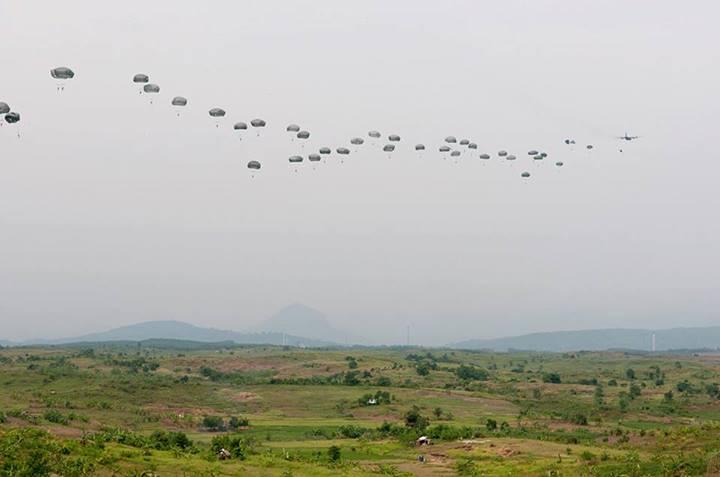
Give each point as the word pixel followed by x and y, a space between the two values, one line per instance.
pixel 422 441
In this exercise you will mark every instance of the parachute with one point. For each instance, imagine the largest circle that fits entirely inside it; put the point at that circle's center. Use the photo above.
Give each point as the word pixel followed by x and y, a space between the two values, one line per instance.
pixel 419 147
pixel 295 159
pixel 451 140
pixel 151 88
pixel 217 113
pixel 343 150
pixel 485 156
pixel 525 175
pixel 464 142
pixel 258 123
pixel 559 163
pixel 589 146
pixel 393 138
pixel 314 157
pixel 502 153
pixel 374 134
pixel 455 154
pixel 141 78
pixel 357 141
pixel 533 153
pixel 511 157
pixel 325 150
pixel 4 108
pixel 389 147
pixel 472 145
pixel 303 135
pixel 62 73
pixel 538 157
pixel 444 149
pixel 255 165
pixel 12 118
pixel 293 128
pixel 241 126
pixel 179 102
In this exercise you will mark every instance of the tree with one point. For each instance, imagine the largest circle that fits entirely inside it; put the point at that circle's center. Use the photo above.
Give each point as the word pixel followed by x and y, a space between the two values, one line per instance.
pixel 630 374
pixel 491 425
pixel 438 412
pixel 469 373
pixel 599 396
pixel 415 420
pixel 423 368
pixel 553 378
pixel 334 453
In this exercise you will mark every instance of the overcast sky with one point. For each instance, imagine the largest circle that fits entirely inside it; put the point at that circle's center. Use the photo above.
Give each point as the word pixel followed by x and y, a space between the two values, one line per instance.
pixel 115 211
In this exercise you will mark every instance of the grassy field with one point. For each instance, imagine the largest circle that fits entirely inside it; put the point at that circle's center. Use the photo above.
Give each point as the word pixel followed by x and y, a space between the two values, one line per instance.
pixel 166 410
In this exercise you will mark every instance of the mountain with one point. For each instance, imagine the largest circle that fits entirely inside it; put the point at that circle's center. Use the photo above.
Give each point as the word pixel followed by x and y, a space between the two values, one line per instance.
pixel 603 339
pixel 301 320
pixel 180 331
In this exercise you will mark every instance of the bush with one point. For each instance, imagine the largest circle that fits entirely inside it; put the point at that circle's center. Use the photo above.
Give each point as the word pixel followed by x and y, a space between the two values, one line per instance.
pixel 553 378
pixel 238 446
pixel 471 373
pixel 334 453
pixel 55 416
pixel 214 423
pixel 415 420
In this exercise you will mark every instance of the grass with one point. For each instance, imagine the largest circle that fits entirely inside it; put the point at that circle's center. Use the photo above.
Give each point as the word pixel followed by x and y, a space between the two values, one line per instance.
pixel 300 402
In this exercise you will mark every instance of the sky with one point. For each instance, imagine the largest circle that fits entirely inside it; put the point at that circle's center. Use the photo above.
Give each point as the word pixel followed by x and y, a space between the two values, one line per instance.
pixel 114 210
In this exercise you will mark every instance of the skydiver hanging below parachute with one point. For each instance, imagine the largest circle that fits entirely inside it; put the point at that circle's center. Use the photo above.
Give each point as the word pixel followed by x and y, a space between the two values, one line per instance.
pixel 62 74
pixel 151 89
pixel 179 102
pixel 141 79
pixel 218 114
pixel 4 109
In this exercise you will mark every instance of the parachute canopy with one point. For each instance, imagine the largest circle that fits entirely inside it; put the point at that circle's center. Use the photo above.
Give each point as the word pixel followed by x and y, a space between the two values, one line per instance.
pixel 179 101
pixel 444 149
pixel 62 72
pixel 419 147
pixel 393 138
pixel 295 159
pixel 325 150
pixel 464 142
pixel 357 141
pixel 451 139
pixel 217 113
pixel 240 126
pixel 511 157
pixel 559 164
pixel 151 88
pixel 343 150
pixel 455 154
pixel 12 118
pixel 4 108
pixel 253 165
pixel 589 146
pixel 389 147
pixel 303 135
pixel 525 175
pixel 484 156
pixel 293 128
pixel 502 153
pixel 472 145
pixel 314 157
pixel 533 152
pixel 374 134
pixel 258 123
pixel 141 78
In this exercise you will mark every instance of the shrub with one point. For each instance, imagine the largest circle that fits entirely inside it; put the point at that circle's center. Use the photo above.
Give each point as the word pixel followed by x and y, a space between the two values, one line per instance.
pixel 470 373
pixel 333 453
pixel 553 378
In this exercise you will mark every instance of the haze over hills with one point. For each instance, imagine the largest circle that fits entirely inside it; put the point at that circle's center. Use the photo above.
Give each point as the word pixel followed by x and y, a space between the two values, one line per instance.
pixel 603 339
pixel 301 320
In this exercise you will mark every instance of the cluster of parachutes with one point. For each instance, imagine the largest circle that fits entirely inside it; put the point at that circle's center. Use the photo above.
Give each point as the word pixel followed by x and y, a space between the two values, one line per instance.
pixel 451 147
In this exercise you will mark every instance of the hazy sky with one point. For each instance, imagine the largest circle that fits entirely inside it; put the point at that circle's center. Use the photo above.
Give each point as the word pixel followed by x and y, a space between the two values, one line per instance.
pixel 114 211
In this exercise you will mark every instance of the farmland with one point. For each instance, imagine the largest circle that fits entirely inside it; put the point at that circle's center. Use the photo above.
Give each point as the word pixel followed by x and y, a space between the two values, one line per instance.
pixel 167 408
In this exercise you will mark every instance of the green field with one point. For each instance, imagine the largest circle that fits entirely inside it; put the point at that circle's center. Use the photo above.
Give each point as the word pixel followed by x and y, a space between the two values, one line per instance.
pixel 167 409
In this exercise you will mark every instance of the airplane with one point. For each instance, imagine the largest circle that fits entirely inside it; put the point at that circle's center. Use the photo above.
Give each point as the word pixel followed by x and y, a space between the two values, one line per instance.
pixel 627 138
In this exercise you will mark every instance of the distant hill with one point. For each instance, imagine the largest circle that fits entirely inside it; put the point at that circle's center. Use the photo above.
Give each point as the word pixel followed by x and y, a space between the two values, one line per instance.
pixel 301 320
pixel 180 331
pixel 596 340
